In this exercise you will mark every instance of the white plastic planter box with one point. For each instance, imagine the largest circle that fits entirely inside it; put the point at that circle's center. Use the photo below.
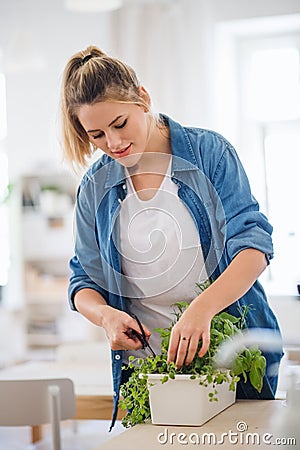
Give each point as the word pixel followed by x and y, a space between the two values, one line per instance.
pixel 184 401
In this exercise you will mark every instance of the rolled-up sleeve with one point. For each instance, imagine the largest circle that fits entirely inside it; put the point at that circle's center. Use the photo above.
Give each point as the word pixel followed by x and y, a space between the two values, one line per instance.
pixel 80 280
pixel 86 263
pixel 243 225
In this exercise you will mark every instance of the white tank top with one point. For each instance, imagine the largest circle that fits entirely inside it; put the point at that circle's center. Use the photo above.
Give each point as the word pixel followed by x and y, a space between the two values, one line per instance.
pixel 161 255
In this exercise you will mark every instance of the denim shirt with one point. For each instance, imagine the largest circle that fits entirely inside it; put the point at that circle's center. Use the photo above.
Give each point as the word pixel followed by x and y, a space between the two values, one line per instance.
pixel 214 187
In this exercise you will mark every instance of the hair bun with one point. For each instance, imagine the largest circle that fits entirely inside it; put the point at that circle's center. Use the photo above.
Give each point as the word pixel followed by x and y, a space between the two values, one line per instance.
pixel 94 51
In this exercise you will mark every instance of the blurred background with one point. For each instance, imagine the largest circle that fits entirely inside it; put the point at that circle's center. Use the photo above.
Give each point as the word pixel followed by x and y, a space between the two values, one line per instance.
pixel 229 65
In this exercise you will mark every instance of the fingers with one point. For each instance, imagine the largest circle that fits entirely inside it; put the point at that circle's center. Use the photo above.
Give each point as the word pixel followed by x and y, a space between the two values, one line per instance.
pixel 124 341
pixel 205 344
pixel 182 349
pixel 173 346
pixel 191 351
pixel 122 336
pixel 146 331
pixel 133 324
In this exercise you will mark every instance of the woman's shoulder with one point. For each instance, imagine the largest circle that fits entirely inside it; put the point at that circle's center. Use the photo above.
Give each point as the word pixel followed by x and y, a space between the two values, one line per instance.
pixel 208 138
pixel 209 148
pixel 213 153
pixel 202 142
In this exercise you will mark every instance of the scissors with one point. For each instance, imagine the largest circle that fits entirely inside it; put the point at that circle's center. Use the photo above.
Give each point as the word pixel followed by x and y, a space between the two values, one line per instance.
pixel 140 336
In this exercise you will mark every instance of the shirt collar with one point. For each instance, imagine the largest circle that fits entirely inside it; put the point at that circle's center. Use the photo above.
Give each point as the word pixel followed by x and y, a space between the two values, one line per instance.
pixel 183 157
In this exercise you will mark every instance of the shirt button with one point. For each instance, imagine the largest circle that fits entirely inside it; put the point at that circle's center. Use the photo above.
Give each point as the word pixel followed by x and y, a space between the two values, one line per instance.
pixel 117 357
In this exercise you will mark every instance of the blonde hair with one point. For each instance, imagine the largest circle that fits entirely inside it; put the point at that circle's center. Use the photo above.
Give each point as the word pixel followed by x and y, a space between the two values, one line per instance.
pixel 91 76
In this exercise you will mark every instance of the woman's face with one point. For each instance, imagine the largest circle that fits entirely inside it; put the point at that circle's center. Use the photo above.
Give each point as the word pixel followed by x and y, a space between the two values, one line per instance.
pixel 121 130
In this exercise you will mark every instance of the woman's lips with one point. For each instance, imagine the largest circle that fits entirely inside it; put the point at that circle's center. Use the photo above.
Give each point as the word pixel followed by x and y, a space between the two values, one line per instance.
pixel 124 152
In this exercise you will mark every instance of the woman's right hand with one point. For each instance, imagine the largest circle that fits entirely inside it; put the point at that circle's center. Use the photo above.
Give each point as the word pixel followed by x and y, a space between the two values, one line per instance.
pixel 117 325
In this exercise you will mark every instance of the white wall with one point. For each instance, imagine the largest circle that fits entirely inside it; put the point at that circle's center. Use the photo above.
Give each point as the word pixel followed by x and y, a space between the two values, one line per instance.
pixel 228 10
pixel 171 45
pixel 33 92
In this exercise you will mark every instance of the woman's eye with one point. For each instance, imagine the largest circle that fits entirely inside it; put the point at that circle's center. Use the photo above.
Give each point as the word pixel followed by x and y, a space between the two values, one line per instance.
pixel 122 125
pixel 99 135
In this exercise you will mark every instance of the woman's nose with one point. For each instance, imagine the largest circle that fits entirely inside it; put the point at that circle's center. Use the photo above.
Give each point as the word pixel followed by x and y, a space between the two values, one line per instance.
pixel 113 141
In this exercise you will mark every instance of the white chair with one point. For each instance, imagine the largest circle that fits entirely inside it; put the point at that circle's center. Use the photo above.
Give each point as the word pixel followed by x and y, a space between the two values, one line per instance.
pixel 36 402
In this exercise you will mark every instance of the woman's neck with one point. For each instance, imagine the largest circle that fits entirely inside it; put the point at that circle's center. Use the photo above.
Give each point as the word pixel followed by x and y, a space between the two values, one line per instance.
pixel 151 168
pixel 159 138
pixel 156 155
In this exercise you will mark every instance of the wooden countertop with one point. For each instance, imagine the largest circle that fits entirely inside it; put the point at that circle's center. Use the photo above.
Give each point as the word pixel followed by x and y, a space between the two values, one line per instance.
pixel 245 420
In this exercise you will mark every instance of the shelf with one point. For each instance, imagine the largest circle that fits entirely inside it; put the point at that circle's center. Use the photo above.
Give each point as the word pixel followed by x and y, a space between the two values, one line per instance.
pixel 44 288
pixel 43 242
pixel 46 217
pixel 43 340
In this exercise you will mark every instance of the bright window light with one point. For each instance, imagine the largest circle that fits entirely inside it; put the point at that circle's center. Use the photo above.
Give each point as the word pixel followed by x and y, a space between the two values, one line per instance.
pixel 282 167
pixel 274 88
pixel 3 122
pixel 4 229
pixel 3 176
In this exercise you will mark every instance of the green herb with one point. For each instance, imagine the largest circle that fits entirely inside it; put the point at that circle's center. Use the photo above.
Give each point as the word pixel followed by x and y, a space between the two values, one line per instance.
pixel 248 363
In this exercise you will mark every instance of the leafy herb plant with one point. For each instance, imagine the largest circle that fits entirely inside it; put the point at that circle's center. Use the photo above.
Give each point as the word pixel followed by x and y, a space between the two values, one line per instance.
pixel 248 363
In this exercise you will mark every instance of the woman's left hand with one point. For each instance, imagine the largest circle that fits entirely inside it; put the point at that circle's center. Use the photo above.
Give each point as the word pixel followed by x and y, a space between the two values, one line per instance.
pixel 193 325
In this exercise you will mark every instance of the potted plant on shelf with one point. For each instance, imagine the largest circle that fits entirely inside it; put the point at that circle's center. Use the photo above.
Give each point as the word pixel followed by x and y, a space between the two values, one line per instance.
pixel 158 391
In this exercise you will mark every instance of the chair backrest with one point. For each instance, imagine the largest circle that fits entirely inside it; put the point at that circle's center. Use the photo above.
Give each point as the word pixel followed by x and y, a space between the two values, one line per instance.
pixel 37 401
pixel 27 402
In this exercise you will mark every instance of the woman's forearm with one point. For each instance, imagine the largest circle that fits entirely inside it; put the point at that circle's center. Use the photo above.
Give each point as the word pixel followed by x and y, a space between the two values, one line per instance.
pixel 91 304
pixel 235 281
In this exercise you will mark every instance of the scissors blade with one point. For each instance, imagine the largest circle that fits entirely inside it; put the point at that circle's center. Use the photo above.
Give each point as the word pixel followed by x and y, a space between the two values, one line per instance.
pixel 142 337
pixel 150 348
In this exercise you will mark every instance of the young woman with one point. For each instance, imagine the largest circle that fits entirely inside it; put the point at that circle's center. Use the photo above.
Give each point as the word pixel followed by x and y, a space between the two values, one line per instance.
pixel 166 206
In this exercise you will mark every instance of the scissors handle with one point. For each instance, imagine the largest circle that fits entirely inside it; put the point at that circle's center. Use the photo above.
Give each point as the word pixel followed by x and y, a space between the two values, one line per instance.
pixel 131 333
pixel 141 336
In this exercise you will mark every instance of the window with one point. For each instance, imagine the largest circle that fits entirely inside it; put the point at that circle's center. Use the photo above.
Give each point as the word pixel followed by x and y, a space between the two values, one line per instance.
pixel 4 235
pixel 4 241
pixel 282 153
pixel 270 109
pixel 3 122
pixel 274 88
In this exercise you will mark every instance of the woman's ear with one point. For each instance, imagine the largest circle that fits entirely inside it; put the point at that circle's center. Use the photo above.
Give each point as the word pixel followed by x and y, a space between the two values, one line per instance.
pixel 145 97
